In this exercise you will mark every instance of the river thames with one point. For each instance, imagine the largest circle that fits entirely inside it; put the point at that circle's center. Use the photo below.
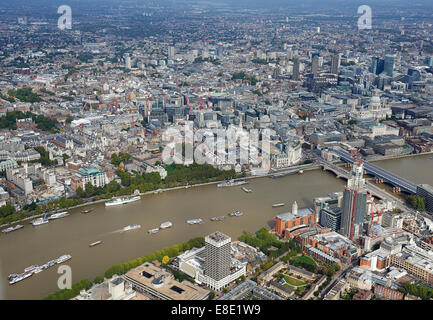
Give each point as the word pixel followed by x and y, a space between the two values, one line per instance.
pixel 73 234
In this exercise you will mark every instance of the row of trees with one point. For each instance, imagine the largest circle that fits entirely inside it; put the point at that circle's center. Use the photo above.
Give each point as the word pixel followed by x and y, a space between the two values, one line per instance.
pixel 120 269
pixel 178 174
pixel 25 94
pixel 243 76
pixel 265 240
pixel 416 202
pixel 67 294
pixel 6 210
pixel 322 286
pixel 45 157
pixel 171 252
pixel 7 98
pixel 117 159
pixel 417 289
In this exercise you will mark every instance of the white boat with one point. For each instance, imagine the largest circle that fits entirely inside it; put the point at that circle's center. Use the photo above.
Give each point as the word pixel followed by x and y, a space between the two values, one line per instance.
pixel 231 183
pixel 152 231
pixel 166 225
pixel 95 243
pixel 278 205
pixel 39 221
pixel 247 190
pixel 236 214
pixel 20 277
pixel 31 268
pixel 10 229
pixel 63 258
pixel 13 276
pixel 131 227
pixel 195 221
pixel 58 215
pixel 38 269
pixel 121 200
pixel 221 218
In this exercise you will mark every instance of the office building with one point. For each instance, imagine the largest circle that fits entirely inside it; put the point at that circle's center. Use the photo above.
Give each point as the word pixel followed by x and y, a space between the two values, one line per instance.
pixel 330 218
pixel 335 63
pixel 376 65
pixel 354 204
pixel 387 293
pixel 115 288
pixel 128 62
pixel 95 177
pixel 428 61
pixel 215 264
pixel 171 52
pixel 288 222
pixel 388 66
pixel 416 261
pixel 296 68
pixel 315 65
pixel 158 284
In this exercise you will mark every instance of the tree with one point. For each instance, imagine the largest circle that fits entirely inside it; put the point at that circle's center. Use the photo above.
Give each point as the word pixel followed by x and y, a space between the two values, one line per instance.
pixel 211 295
pixel 99 279
pixel 416 202
pixel 165 260
pixel 6 210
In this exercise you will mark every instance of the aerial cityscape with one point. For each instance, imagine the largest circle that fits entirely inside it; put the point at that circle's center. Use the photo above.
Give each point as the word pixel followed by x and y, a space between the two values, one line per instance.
pixel 216 150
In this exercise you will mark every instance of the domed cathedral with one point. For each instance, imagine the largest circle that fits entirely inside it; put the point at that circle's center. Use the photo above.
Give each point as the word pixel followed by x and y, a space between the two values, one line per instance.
pixel 378 110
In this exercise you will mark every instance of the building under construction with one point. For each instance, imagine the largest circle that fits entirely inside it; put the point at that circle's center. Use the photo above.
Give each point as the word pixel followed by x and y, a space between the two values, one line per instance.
pixel 354 204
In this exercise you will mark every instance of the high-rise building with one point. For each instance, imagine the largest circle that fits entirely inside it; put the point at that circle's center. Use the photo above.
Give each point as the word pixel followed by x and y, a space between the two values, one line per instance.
pixel 296 67
pixel 428 61
pixel 171 52
pixel 315 65
pixel 374 65
pixel 335 63
pixel 128 63
pixel 388 66
pixel 330 218
pixel 354 205
pixel 217 253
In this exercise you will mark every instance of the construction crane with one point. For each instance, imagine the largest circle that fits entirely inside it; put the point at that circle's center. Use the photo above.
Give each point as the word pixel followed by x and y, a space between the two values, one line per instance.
pixel 373 211
pixel 355 196
pixel 355 157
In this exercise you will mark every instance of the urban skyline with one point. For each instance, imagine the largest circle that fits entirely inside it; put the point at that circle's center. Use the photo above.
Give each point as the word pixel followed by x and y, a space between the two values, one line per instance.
pixel 194 150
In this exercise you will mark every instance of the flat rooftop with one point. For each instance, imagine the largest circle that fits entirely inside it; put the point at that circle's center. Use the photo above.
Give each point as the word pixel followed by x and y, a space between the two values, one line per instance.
pixel 218 236
pixel 149 275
